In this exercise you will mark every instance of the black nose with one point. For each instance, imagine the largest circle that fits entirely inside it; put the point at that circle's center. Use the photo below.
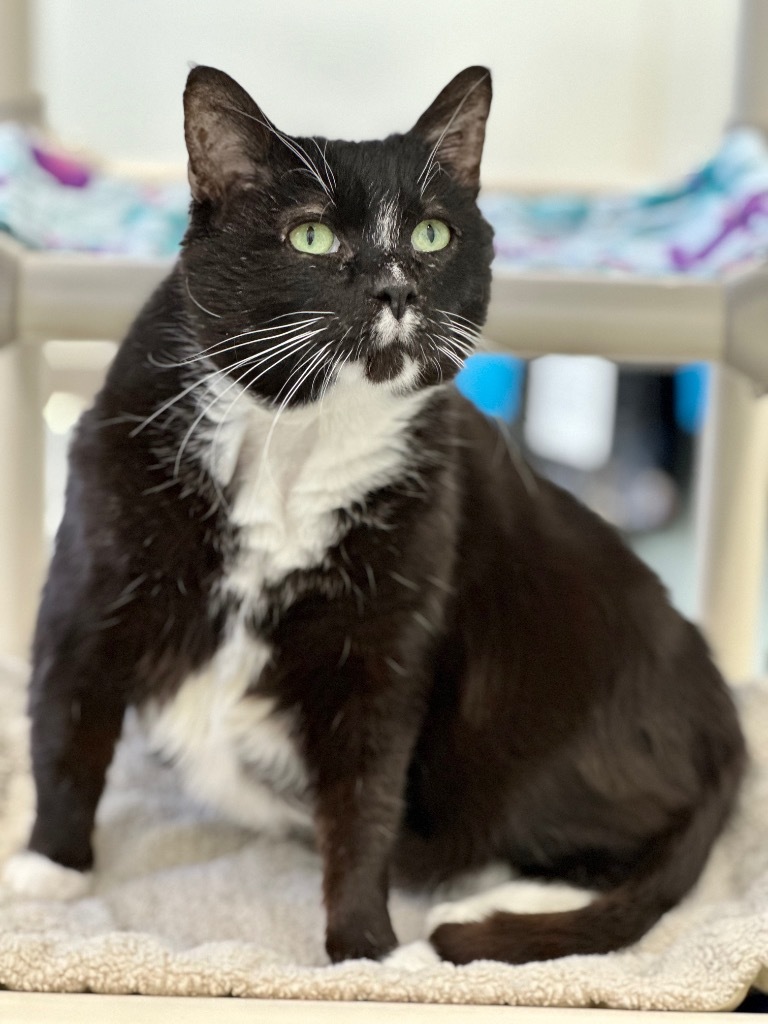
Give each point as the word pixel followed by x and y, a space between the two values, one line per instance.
pixel 397 296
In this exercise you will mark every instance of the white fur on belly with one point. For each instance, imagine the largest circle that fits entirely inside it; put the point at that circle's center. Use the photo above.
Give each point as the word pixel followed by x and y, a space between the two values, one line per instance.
pixel 225 743
pixel 521 896
pixel 37 877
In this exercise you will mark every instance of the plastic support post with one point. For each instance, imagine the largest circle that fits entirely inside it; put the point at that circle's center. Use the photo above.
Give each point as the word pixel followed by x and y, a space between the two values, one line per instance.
pixel 21 494
pixel 731 521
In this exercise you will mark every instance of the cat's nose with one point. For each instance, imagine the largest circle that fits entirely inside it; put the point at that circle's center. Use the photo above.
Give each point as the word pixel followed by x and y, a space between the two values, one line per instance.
pixel 397 296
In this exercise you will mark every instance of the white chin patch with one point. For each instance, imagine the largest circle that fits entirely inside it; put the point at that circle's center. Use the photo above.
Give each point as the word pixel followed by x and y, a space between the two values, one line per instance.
pixel 37 877
pixel 521 896
pixel 404 382
pixel 387 329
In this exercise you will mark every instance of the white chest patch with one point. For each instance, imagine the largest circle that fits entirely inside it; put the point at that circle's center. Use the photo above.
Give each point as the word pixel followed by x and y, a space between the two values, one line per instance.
pixel 290 477
pixel 293 474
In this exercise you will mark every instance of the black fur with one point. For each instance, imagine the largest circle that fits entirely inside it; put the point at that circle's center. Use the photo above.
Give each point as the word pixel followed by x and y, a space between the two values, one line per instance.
pixel 497 677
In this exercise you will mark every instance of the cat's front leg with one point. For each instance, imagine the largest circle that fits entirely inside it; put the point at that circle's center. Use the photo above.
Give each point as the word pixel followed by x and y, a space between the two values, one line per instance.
pixel 77 712
pixel 75 726
pixel 361 763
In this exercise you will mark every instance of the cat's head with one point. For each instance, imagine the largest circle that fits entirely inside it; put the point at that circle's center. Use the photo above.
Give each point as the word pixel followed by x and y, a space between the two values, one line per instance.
pixel 305 254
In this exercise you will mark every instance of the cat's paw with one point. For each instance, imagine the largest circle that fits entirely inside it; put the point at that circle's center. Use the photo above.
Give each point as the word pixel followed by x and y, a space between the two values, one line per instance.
pixel 415 956
pixel 35 876
pixel 521 896
pixel 363 941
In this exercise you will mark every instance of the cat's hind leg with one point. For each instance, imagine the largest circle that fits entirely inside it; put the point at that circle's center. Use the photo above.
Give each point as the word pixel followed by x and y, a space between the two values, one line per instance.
pixel 478 896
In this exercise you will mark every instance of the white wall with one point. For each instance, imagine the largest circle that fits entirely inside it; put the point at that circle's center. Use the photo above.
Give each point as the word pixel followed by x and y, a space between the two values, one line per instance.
pixel 587 91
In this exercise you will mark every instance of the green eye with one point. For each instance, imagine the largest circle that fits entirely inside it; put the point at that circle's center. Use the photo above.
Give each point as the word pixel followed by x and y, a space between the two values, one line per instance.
pixel 314 238
pixel 430 235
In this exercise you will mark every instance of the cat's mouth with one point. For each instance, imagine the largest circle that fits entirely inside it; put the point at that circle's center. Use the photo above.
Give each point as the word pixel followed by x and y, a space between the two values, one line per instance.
pixel 390 330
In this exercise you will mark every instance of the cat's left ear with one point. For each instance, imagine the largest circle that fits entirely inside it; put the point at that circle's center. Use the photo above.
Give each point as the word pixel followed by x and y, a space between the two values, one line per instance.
pixel 227 135
pixel 454 125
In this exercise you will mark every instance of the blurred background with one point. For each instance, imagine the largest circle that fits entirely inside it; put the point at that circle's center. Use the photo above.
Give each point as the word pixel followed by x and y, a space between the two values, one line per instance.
pixel 588 93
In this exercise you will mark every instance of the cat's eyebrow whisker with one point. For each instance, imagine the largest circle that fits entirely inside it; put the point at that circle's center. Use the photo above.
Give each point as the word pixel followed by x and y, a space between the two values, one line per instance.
pixel 331 175
pixel 295 147
pixel 434 170
pixel 454 115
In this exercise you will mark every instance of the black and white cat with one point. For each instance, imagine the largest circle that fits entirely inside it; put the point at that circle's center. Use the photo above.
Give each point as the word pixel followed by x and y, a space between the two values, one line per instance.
pixel 335 593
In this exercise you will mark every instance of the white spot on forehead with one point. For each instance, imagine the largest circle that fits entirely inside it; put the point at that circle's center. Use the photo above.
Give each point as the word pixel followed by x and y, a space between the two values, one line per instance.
pixel 387 226
pixel 397 272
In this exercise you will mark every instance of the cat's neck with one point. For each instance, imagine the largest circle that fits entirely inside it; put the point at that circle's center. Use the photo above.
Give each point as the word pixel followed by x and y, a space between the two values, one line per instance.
pixel 290 472
pixel 354 421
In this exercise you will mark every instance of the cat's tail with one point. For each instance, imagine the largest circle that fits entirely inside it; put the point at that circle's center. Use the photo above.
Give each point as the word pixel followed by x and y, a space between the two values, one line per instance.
pixel 614 919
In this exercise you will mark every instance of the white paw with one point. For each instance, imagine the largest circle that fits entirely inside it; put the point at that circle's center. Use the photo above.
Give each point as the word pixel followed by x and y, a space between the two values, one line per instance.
pixel 37 877
pixel 518 897
pixel 416 956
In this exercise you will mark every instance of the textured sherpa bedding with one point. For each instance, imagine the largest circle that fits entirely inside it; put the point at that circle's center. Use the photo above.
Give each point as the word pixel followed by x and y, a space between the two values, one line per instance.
pixel 184 903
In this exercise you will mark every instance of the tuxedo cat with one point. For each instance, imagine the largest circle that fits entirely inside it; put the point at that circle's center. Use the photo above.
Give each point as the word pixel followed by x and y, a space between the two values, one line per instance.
pixel 334 592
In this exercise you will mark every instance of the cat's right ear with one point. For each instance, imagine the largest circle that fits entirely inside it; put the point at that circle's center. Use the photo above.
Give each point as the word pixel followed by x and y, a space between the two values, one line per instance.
pixel 227 136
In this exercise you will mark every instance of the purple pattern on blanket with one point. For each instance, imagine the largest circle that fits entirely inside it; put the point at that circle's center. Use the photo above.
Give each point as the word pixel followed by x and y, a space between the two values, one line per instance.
pixel 704 225
pixel 66 171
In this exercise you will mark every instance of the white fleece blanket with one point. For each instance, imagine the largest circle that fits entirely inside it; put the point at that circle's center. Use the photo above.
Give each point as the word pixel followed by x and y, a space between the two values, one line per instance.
pixel 184 903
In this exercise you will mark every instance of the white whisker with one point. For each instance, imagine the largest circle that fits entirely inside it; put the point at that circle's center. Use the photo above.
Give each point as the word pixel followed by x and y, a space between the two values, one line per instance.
pixel 198 304
pixel 458 316
pixel 318 358
pixel 292 349
pixel 331 175
pixel 281 332
pixel 293 145
pixel 445 131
